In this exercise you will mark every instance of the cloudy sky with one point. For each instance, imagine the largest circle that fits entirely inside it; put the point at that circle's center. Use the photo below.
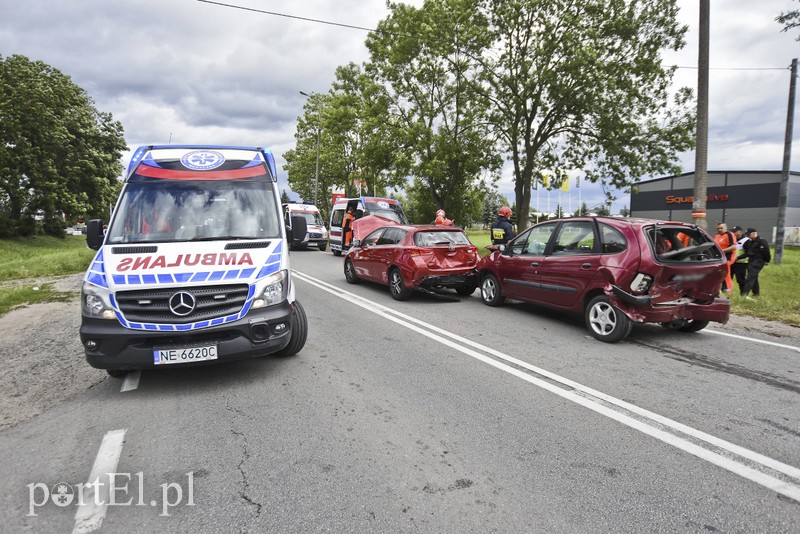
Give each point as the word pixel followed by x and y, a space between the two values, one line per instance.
pixel 186 71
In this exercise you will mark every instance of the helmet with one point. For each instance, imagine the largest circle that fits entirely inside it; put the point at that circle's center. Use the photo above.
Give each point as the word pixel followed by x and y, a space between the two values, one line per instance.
pixel 440 213
pixel 505 211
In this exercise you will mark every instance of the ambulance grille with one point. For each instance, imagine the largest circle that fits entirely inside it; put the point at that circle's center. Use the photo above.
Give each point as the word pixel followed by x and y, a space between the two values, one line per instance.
pixel 152 305
pixel 246 244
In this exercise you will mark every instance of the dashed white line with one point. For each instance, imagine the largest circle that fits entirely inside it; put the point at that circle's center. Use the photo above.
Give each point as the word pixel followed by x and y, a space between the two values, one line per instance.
pixel 95 497
pixel 131 381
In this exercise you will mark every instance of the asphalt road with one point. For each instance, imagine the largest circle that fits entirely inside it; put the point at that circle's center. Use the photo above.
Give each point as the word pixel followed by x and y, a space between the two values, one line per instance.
pixel 426 415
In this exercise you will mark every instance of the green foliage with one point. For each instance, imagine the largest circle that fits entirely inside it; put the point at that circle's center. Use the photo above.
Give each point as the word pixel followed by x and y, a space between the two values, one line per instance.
pixel 59 156
pixel 582 86
pixel 13 297
pixel 777 301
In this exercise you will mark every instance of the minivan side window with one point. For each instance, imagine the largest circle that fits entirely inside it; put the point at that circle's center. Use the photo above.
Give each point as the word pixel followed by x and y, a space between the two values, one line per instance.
pixel 612 239
pixel 338 216
pixel 536 243
pixel 574 237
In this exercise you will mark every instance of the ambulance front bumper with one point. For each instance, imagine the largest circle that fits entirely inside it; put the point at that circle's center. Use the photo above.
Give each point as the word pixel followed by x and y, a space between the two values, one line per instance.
pixel 109 345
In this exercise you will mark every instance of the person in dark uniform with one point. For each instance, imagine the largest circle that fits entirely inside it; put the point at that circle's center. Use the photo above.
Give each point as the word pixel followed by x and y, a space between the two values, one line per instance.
pixel 502 231
pixel 758 255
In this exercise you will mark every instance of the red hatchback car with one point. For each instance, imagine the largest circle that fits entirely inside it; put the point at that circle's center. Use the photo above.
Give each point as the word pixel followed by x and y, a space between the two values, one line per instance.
pixel 409 257
pixel 615 271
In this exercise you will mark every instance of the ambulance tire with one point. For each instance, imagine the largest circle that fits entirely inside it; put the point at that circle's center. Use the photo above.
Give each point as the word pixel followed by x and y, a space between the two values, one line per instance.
pixel 322 247
pixel 116 373
pixel 299 332
pixel 336 252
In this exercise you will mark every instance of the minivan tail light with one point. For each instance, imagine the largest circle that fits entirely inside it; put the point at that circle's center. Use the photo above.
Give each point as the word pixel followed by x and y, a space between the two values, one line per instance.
pixel 641 283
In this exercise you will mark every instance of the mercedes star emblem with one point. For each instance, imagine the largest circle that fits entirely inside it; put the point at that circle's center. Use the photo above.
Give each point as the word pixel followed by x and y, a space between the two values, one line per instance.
pixel 182 303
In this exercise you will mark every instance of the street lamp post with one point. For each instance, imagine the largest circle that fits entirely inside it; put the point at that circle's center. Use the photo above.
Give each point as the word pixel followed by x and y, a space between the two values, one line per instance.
pixel 316 175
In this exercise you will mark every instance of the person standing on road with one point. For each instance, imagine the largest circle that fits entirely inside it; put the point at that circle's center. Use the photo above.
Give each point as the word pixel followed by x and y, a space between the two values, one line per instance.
pixel 347 229
pixel 758 256
pixel 739 266
pixel 727 242
pixel 502 231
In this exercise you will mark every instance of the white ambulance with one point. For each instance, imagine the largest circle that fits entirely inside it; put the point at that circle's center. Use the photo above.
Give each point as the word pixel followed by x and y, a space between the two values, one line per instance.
pixel 317 234
pixel 194 265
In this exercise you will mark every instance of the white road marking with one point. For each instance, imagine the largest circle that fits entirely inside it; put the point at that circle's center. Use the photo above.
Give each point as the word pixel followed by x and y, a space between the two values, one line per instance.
pixel 751 465
pixel 754 340
pixel 131 381
pixel 95 497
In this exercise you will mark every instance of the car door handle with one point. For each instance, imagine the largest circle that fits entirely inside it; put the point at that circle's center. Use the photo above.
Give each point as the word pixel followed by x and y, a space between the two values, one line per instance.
pixel 535 264
pixel 586 265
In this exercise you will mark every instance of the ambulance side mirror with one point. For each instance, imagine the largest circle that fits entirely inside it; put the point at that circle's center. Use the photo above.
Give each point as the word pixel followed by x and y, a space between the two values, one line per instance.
pixel 94 234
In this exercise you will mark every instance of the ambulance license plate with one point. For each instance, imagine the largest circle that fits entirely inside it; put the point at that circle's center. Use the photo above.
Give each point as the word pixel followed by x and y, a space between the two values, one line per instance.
pixel 184 355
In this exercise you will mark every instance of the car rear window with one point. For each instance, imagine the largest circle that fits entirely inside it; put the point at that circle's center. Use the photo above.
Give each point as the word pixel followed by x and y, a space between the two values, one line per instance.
pixel 681 244
pixel 440 237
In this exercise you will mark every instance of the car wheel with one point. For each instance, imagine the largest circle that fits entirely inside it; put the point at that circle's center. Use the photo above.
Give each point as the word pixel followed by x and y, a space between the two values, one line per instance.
pixel 465 291
pixel 322 247
pixel 606 322
pixel 490 291
pixel 116 373
pixel 350 272
pixel 693 326
pixel 299 332
pixel 397 287
pixel 336 252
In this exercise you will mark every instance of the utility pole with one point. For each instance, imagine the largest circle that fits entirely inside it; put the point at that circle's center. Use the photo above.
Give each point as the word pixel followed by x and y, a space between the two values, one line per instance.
pixel 701 152
pixel 316 175
pixel 787 162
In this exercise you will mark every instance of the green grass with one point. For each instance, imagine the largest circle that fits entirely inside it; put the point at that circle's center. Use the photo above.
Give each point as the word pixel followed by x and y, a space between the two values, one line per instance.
pixel 42 256
pixel 780 285
pixel 35 258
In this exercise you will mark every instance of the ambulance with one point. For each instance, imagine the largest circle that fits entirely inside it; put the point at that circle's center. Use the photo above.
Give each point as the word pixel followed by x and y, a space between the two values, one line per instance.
pixel 388 208
pixel 317 235
pixel 193 267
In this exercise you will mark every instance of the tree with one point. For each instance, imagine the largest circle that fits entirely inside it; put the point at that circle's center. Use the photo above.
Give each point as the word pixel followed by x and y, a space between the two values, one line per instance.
pixel 625 212
pixel 580 85
pixel 59 156
pixel 583 211
pixel 284 197
pixel 790 20
pixel 424 61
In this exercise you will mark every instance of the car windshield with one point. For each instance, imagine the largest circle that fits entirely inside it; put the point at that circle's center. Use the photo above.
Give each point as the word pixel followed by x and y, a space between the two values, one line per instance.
pixel 439 237
pixel 311 218
pixel 195 210
pixel 386 210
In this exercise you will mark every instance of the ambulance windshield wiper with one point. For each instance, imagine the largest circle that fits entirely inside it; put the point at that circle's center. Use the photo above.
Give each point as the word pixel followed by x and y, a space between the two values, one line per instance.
pixel 225 238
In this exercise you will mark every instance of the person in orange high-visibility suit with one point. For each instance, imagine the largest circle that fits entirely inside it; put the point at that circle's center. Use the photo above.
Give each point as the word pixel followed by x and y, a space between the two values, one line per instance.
pixel 727 242
pixel 347 229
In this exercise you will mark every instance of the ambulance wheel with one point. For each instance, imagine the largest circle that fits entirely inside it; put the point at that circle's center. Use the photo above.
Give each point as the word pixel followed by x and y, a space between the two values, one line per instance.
pixel 336 252
pixel 397 287
pixel 350 272
pixel 322 247
pixel 116 373
pixel 299 332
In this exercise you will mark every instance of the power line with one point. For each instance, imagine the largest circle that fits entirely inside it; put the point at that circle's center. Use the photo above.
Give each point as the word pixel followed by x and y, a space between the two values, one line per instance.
pixel 375 30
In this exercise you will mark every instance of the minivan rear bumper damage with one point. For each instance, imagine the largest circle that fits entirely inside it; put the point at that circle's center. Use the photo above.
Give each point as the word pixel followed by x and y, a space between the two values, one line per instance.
pixel 642 310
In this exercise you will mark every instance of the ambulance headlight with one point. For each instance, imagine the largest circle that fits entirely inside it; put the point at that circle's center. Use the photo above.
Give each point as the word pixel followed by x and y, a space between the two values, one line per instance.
pixel 274 292
pixel 95 302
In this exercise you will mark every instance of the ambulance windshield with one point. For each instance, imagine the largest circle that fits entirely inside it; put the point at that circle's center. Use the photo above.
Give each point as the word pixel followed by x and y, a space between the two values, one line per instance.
pixel 192 210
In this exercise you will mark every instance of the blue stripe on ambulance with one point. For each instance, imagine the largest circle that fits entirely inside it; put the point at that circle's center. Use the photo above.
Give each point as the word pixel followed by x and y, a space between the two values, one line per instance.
pixel 96 276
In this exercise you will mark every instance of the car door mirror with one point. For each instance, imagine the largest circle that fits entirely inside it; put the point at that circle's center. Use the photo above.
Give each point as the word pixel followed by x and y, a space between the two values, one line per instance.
pixel 357 243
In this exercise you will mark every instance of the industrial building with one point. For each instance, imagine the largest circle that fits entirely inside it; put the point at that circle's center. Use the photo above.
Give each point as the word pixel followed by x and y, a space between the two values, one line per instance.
pixel 744 198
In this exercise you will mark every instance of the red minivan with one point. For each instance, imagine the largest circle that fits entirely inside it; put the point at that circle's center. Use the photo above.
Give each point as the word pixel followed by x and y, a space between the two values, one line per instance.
pixel 616 271
pixel 408 257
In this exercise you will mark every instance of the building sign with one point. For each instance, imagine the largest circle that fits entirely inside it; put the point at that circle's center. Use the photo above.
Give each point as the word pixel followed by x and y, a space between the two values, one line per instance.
pixel 671 199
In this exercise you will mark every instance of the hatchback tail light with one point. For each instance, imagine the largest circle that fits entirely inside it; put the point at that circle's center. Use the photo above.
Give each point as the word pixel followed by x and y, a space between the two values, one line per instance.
pixel 419 252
